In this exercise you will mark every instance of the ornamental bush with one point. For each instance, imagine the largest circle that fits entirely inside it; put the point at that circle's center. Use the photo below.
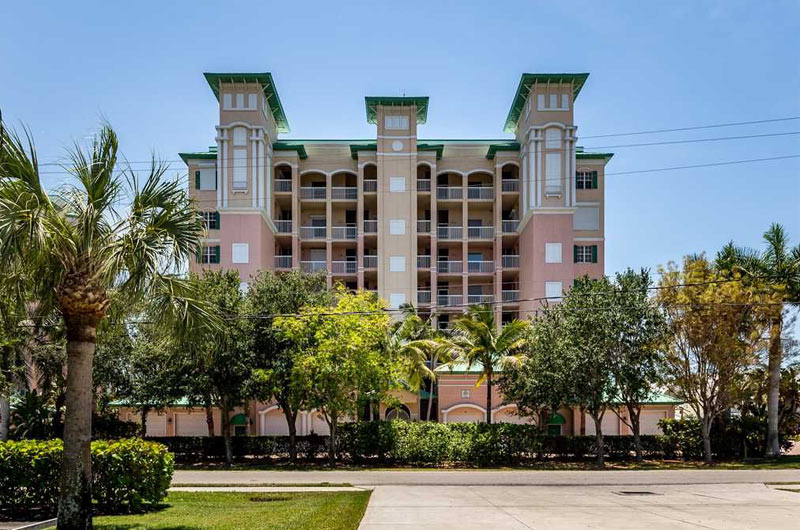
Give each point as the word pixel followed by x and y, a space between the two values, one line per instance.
pixel 127 475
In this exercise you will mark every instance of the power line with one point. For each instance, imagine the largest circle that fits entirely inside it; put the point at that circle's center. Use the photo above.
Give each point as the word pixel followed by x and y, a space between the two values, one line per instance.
pixel 694 128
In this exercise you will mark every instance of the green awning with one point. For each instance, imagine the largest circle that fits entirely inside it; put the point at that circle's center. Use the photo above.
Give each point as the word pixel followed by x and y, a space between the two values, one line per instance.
pixel 239 419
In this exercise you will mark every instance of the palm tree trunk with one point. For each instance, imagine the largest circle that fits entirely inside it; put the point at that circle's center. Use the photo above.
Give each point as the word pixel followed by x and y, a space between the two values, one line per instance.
pixel 5 411
pixel 434 361
pixel 75 495
pixel 489 398
pixel 773 404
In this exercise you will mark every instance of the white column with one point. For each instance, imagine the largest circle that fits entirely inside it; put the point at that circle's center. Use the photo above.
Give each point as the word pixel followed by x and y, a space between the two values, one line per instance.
pixel 254 168
pixel 524 157
pixel 268 195
pixel 225 168
pixel 220 179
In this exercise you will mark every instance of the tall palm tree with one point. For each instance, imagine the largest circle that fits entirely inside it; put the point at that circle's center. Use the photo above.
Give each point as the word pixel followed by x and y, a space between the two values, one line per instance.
pixel 85 248
pixel 778 268
pixel 479 340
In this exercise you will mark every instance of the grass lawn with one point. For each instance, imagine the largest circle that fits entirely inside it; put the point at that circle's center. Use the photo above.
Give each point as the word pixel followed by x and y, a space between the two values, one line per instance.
pixel 218 511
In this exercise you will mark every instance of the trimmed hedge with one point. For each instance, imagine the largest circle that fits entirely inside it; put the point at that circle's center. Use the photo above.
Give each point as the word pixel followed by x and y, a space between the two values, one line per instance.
pixel 209 448
pixel 127 474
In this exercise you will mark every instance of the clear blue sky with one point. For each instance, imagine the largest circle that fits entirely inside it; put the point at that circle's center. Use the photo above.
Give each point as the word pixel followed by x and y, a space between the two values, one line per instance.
pixel 63 65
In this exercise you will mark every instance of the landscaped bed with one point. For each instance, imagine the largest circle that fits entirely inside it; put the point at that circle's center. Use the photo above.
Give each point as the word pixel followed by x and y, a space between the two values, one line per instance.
pixel 296 511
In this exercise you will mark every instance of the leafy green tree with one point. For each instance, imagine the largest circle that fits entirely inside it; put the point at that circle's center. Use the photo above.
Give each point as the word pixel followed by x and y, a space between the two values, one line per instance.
pixel 478 340
pixel 81 247
pixel 274 355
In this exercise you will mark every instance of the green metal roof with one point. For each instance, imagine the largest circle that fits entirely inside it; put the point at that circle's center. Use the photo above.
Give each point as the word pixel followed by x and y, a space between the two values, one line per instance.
pixel 583 156
pixel 372 103
pixel 505 146
pixel 267 85
pixel 439 148
pixel 182 402
pixel 528 80
pixel 211 154
pixel 355 148
pixel 289 146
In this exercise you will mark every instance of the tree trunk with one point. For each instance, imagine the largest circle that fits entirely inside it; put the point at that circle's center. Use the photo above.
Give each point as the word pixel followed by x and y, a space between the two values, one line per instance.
pixel 210 420
pixel 75 494
pixel 291 423
pixel 705 427
pixel 145 411
pixel 489 398
pixel 5 411
pixel 226 432
pixel 434 362
pixel 332 441
pixel 430 404
pixel 634 413
pixel 598 441
pixel 773 404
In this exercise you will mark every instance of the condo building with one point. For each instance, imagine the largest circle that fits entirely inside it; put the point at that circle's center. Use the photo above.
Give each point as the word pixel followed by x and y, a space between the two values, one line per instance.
pixel 438 223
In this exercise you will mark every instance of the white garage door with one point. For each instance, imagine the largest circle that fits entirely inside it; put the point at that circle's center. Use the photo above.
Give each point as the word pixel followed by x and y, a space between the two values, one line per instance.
pixel 648 423
pixel 465 415
pixel 610 424
pixel 156 425
pixel 318 425
pixel 273 423
pixel 191 424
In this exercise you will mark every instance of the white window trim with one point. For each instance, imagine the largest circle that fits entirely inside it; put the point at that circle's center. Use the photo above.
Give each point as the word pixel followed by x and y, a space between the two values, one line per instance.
pixel 397 264
pixel 397 184
pixel 553 253
pixel 396 300
pixel 397 227
pixel 550 287
pixel 240 248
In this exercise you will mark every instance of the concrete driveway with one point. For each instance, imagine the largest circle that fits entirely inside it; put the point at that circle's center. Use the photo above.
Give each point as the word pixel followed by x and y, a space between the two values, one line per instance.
pixel 653 507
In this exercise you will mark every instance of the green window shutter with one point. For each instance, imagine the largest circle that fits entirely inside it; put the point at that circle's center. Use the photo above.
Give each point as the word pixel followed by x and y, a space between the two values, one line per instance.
pixel 216 221
pixel 216 178
pixel 216 254
pixel 197 180
pixel 594 180
pixel 574 253
pixel 594 253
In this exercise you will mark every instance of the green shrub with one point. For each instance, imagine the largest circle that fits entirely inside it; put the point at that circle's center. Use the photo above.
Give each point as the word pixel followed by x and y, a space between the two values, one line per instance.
pixel 126 475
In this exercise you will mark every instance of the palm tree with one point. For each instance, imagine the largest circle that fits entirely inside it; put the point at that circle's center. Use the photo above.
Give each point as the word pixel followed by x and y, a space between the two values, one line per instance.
pixel 84 252
pixel 777 268
pixel 478 340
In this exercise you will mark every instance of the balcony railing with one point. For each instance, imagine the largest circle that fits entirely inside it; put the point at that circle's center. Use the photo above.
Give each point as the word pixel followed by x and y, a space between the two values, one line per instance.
pixel 311 193
pixel 510 296
pixel 449 267
pixel 444 193
pixel 283 262
pixel 511 261
pixel 370 262
pixel 480 193
pixel 480 298
pixel 370 185
pixel 370 226
pixel 448 232
pixel 423 262
pixel 344 267
pixel 480 266
pixel 344 194
pixel 423 226
pixel 282 226
pixel 344 232
pixel 312 232
pixel 480 232
pixel 423 297
pixel 313 266
pixel 449 300
pixel 424 185
pixel 283 185
pixel 510 226
pixel 510 186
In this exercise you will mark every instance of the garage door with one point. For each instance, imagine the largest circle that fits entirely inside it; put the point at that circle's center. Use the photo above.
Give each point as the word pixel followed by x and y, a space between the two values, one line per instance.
pixel 649 421
pixel 509 415
pixel 610 424
pixel 156 425
pixel 318 425
pixel 465 415
pixel 188 424
pixel 273 423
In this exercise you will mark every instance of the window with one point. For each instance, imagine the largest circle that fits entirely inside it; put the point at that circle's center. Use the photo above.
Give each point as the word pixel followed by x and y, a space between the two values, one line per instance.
pixel 210 220
pixel 251 101
pixel 540 102
pixel 586 180
pixel 240 101
pixel 552 138
pixel 565 101
pixel 552 174
pixel 239 136
pixel 553 291
pixel 227 101
pixel 586 218
pixel 397 264
pixel 240 253
pixel 396 300
pixel 205 179
pixel 397 227
pixel 552 253
pixel 554 430
pixel 465 394
pixel 585 253
pixel 553 101
pixel 209 254
pixel 240 169
pixel 397 184
pixel 397 123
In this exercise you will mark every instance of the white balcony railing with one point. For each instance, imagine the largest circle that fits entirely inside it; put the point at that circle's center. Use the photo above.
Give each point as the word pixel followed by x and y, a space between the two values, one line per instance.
pixel 344 267
pixel 370 262
pixel 510 296
pixel 510 186
pixel 511 261
pixel 480 298
pixel 423 226
pixel 480 193
pixel 449 300
pixel 448 232
pixel 424 185
pixel 312 232
pixel 444 193
pixel 510 226
pixel 344 194
pixel 370 185
pixel 480 232
pixel 423 297
pixel 283 262
pixel 313 266
pixel 423 262
pixel 370 226
pixel 449 267
pixel 344 232
pixel 283 226
pixel 283 185
pixel 311 193
pixel 480 266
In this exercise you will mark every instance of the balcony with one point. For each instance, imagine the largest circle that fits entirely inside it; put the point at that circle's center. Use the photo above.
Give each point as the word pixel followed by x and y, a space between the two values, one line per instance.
pixel 444 193
pixel 480 193
pixel 313 266
pixel 510 226
pixel 283 226
pixel 424 185
pixel 370 262
pixel 449 300
pixel 370 226
pixel 313 194
pixel 283 262
pixel 510 296
pixel 480 298
pixel 423 262
pixel 344 232
pixel 510 186
pixel 423 297
pixel 283 185
pixel 448 232
pixel 511 261
pixel 480 232
pixel 370 185
pixel 344 194
pixel 344 267
pixel 312 232
pixel 423 227
pixel 449 267
pixel 480 266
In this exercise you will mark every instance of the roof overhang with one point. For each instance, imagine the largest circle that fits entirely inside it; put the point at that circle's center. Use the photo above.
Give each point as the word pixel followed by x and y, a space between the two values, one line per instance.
pixel 373 102
pixel 267 86
pixel 505 146
pixel 289 146
pixel 528 80
pixel 204 155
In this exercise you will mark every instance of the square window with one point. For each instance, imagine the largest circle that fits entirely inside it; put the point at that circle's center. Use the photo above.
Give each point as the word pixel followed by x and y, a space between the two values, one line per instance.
pixel 586 218
pixel 208 179
pixel 396 300
pixel 240 253
pixel 552 253
pixel 397 264
pixel 397 227
pixel 553 291
pixel 397 184
pixel 465 394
